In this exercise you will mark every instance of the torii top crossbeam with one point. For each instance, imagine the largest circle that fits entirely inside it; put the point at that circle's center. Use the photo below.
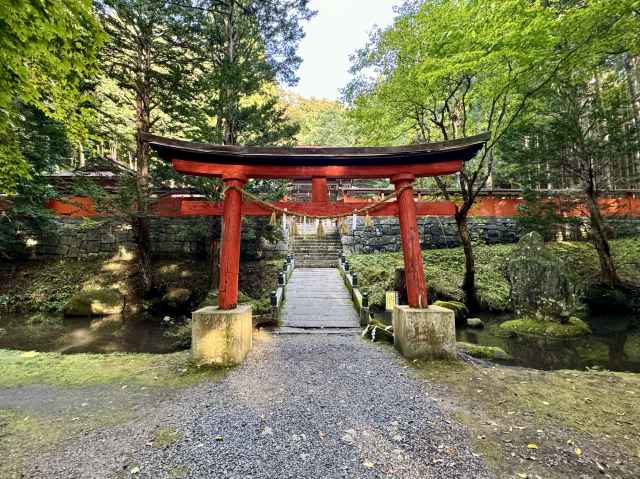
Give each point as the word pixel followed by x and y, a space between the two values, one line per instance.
pixel 431 159
pixel 236 164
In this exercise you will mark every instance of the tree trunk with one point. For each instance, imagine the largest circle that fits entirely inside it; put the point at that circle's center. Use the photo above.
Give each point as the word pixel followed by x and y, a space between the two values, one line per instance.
pixel 601 243
pixel 469 282
pixel 140 221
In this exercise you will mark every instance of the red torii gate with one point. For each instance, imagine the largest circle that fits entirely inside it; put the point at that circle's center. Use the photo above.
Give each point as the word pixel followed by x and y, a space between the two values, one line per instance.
pixel 236 164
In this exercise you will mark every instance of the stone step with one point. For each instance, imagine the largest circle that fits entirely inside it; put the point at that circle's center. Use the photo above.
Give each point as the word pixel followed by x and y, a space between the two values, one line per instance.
pixel 317 264
pixel 314 256
pixel 335 252
pixel 316 238
pixel 318 245
pixel 335 239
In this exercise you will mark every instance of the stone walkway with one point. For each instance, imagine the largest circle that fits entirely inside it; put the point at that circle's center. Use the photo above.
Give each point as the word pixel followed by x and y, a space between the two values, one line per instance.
pixel 318 298
pixel 302 406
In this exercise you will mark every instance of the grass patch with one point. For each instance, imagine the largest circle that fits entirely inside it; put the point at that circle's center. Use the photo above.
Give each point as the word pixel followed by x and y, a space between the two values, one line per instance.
pixel 174 370
pixel 444 269
pixel 560 412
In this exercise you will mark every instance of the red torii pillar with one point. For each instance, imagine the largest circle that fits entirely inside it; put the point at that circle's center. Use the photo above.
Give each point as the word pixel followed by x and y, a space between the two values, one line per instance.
pixel 413 265
pixel 230 249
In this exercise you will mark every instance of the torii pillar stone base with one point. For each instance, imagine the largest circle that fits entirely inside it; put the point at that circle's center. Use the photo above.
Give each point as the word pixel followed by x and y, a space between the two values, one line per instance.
pixel 427 333
pixel 221 337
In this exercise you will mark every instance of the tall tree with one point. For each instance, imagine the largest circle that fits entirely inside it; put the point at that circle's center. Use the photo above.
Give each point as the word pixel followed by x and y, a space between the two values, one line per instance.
pixel 148 57
pixel 244 48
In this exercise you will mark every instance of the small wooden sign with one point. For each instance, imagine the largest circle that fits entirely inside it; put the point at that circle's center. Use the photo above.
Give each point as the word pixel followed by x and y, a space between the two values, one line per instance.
pixel 391 299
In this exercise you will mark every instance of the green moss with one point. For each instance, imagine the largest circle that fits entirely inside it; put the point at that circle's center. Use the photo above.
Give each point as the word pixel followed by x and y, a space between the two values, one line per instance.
pixel 444 269
pixel 483 352
pixel 30 367
pixel 538 327
pixel 457 307
pixel 97 302
pixel 165 437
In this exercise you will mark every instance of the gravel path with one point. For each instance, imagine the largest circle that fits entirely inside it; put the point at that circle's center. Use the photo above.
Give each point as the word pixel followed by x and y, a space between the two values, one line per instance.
pixel 301 406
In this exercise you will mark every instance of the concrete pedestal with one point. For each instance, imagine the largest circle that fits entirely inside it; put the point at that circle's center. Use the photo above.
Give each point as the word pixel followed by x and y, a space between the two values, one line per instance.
pixel 424 333
pixel 221 337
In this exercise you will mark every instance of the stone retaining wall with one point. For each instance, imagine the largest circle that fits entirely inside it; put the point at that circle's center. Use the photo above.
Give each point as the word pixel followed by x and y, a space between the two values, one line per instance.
pixel 170 237
pixel 442 232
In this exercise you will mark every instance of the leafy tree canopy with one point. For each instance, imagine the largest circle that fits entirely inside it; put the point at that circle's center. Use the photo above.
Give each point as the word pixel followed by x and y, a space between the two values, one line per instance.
pixel 47 48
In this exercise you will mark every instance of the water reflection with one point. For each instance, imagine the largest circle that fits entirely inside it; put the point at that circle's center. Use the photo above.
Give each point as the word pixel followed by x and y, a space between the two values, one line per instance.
pixel 108 334
pixel 615 345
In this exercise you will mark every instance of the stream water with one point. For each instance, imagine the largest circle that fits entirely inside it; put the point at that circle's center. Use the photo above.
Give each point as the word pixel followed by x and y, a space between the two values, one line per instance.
pixel 109 334
pixel 614 345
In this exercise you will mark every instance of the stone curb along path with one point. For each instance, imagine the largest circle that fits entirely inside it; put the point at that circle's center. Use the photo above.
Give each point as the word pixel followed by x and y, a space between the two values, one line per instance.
pixel 301 406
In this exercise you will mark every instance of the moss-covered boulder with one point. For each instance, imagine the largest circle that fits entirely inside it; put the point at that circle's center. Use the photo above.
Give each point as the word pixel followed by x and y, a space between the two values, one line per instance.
pixel 177 299
pixel 459 309
pixel 483 352
pixel 475 323
pixel 98 302
pixel 574 327
pixel 539 283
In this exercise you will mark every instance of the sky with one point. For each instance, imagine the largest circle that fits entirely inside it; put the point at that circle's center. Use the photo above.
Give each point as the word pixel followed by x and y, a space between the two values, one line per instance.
pixel 339 29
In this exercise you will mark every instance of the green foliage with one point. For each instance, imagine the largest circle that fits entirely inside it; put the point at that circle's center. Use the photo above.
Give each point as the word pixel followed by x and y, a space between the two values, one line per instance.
pixel 246 46
pixel 538 215
pixel 47 49
pixel 444 270
pixel 322 122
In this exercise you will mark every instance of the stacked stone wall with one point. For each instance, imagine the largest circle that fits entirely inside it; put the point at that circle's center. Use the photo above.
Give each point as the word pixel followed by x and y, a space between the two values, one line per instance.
pixel 170 237
pixel 442 232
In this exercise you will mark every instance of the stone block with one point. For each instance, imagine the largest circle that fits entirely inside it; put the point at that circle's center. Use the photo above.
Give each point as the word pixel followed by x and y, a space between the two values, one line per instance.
pixel 424 333
pixel 221 337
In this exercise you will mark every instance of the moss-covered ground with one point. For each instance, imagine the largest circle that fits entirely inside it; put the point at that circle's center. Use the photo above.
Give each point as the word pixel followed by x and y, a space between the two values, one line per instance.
pixel 528 423
pixel 444 269
pixel 47 398
pixel 30 367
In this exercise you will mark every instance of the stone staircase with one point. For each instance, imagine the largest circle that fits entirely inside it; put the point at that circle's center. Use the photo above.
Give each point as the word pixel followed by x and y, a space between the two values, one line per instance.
pixel 309 251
